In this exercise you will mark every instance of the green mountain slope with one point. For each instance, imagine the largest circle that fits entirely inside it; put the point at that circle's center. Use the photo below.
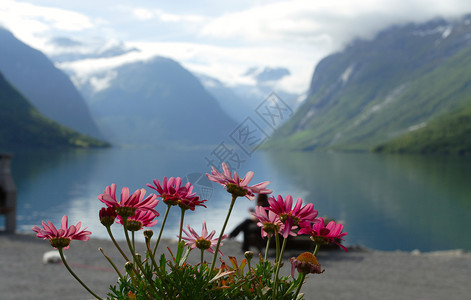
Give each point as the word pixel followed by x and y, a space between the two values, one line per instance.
pixel 23 126
pixel 377 90
pixel 450 134
pixel 46 87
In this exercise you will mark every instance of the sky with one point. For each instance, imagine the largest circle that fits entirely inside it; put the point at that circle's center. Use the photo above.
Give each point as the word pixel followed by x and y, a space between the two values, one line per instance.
pixel 221 39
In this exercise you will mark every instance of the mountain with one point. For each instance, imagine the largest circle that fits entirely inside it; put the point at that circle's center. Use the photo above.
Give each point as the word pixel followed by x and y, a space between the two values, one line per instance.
pixel 156 102
pixel 49 89
pixel 448 134
pixel 22 126
pixel 380 89
pixel 240 100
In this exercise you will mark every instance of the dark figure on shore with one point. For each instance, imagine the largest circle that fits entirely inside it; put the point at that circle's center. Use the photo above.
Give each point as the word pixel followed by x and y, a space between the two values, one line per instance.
pixel 252 233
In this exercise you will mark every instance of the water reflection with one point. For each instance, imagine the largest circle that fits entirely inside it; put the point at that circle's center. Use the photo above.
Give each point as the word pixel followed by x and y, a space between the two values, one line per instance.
pixel 388 202
pixel 385 202
pixel 53 184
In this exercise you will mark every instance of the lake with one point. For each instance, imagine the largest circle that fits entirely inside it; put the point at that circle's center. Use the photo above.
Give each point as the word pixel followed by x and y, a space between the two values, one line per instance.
pixel 385 202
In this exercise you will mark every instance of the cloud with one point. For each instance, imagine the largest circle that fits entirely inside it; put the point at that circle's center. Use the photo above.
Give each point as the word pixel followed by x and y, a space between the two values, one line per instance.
pixel 267 73
pixel 328 24
pixel 145 14
pixel 228 64
pixel 221 40
pixel 30 22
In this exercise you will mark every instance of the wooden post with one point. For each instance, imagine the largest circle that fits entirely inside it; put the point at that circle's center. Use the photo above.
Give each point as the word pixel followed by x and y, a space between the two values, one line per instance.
pixel 7 193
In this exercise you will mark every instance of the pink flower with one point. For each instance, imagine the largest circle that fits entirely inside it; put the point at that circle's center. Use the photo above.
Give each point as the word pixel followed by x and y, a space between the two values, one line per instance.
pixel 270 223
pixel 324 234
pixel 128 204
pixel 290 216
pixel 235 185
pixel 60 238
pixel 142 218
pixel 204 242
pixel 191 202
pixel 172 193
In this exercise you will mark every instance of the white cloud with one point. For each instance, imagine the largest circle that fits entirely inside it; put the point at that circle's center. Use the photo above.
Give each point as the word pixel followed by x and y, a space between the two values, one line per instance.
pixel 292 34
pixel 328 24
pixel 227 64
pixel 103 82
pixel 143 14
pixel 30 22
pixel 148 14
pixel 166 17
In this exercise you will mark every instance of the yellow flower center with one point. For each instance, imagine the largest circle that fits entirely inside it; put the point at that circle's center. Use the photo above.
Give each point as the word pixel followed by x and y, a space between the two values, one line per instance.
pixel 59 242
pixel 236 190
pixel 285 216
pixel 125 211
pixel 133 225
pixel 202 244
pixel 307 257
pixel 271 228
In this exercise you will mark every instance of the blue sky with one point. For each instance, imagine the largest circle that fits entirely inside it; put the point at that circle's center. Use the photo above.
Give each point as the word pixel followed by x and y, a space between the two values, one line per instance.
pixel 221 39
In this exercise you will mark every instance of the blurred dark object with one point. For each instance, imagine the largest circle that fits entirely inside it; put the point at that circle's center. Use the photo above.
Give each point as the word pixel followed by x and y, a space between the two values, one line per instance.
pixel 7 193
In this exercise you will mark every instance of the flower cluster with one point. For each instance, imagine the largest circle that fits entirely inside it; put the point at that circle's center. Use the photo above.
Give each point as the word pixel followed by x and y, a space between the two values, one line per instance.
pixel 169 279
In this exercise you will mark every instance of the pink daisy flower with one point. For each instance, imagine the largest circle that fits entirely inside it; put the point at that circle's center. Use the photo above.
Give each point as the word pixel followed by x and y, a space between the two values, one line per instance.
pixel 142 218
pixel 128 204
pixel 60 238
pixel 172 193
pixel 235 185
pixel 290 216
pixel 204 242
pixel 269 222
pixel 324 234
pixel 191 202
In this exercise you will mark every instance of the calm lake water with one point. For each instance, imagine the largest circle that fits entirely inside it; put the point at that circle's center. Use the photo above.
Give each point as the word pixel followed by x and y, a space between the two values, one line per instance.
pixel 385 202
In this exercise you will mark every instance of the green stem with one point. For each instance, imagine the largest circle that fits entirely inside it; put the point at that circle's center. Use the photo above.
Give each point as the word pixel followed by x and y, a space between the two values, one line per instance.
pixel 234 197
pixel 268 246
pixel 73 274
pixel 133 242
pixel 299 285
pixel 278 266
pixel 108 228
pixel 202 255
pixel 316 249
pixel 161 229
pixel 277 242
pixel 112 264
pixel 182 216
pixel 149 251
pixel 135 259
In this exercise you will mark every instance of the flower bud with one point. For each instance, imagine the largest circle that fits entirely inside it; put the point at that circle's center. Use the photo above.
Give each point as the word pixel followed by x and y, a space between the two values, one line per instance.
pixel 248 255
pixel 138 257
pixel 148 233
pixel 128 266
pixel 107 216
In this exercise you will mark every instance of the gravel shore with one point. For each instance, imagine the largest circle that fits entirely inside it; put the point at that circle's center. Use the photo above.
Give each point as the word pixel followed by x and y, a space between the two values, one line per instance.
pixel 357 274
